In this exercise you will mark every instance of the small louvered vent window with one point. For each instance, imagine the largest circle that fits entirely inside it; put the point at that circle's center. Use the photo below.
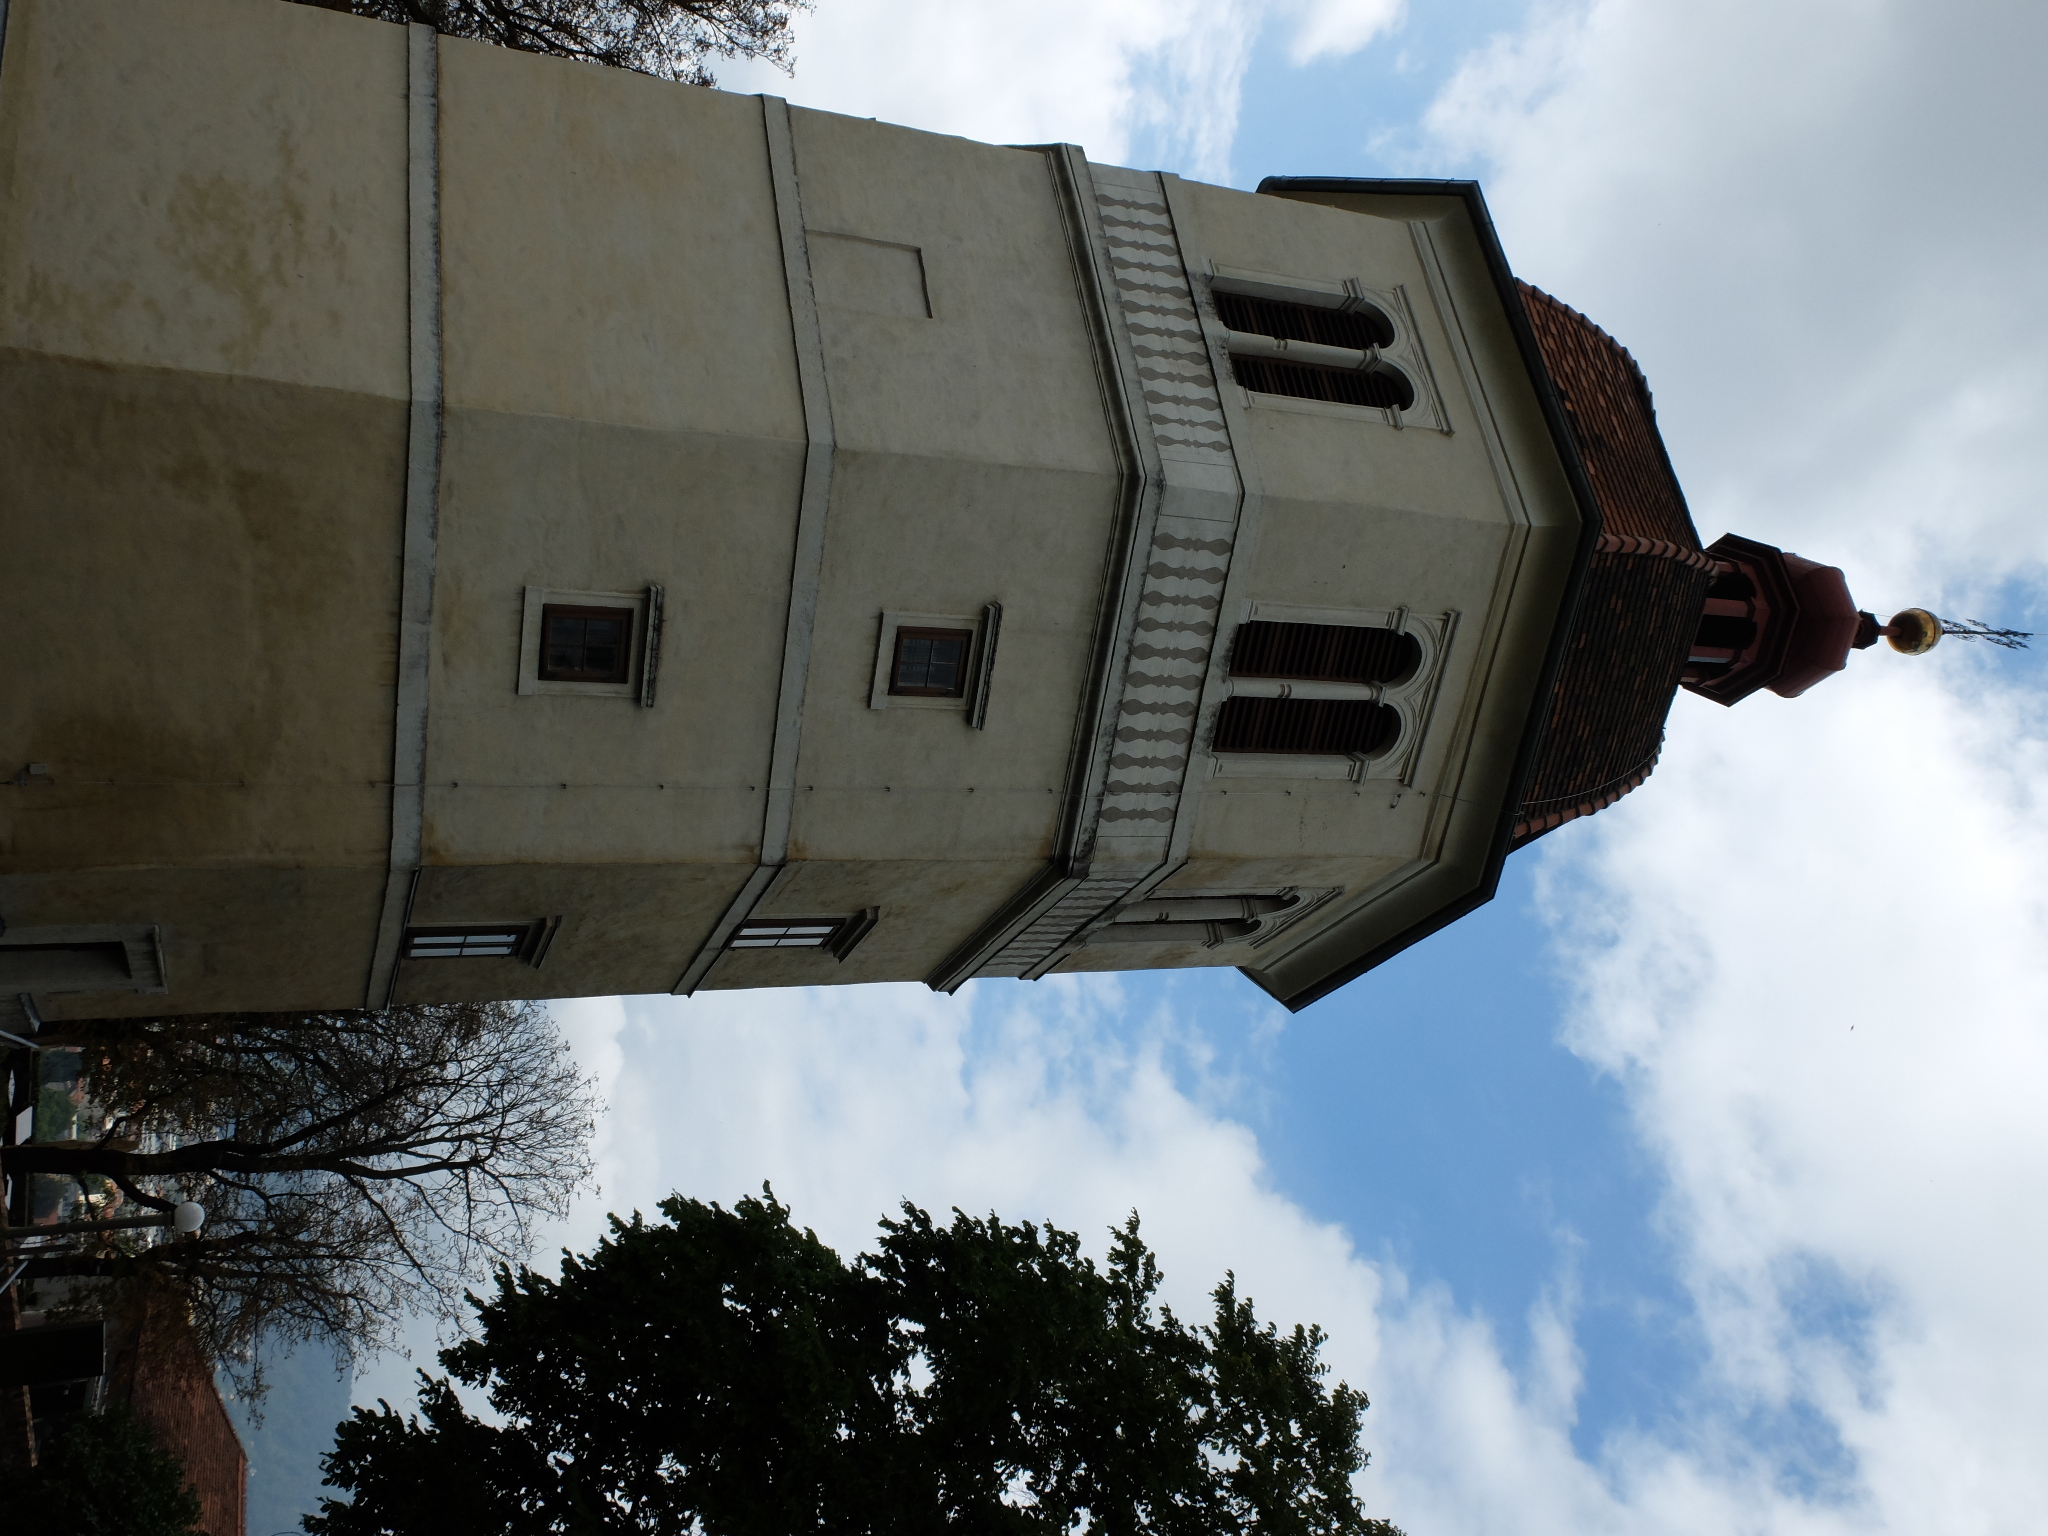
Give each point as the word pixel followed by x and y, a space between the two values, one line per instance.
pixel 1326 727
pixel 1332 653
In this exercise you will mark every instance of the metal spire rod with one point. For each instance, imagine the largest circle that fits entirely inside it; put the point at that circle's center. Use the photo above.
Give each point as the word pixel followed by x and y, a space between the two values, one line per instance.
pixel 1975 629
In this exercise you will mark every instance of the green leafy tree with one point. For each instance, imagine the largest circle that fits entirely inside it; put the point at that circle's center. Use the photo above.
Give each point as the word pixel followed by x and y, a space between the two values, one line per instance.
pixel 724 1371
pixel 671 39
pixel 105 1475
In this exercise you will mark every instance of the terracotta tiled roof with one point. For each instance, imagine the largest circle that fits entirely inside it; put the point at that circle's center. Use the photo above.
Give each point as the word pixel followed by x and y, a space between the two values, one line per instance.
pixel 1643 593
pixel 1608 401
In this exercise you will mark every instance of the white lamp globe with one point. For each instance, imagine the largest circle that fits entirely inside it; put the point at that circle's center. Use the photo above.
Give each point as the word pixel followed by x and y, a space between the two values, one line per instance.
pixel 188 1217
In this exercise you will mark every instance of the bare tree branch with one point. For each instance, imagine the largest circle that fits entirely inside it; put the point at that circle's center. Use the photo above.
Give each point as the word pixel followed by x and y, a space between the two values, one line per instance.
pixel 356 1167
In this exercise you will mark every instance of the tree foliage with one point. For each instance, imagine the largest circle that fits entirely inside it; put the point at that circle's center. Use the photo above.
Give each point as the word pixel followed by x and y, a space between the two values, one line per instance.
pixel 105 1475
pixel 724 1371
pixel 671 39
pixel 355 1167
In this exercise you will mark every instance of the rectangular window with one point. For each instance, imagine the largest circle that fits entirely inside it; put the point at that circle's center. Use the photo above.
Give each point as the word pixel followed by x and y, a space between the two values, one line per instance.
pixel 1334 653
pixel 836 936
pixel 506 941
pixel 786 933
pixel 930 663
pixel 92 957
pixel 585 645
pixel 64 967
pixel 1328 727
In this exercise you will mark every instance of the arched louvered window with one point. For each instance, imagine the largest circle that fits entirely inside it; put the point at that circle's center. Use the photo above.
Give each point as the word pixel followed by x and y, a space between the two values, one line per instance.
pixel 1317 368
pixel 1326 727
pixel 1333 653
pixel 1359 329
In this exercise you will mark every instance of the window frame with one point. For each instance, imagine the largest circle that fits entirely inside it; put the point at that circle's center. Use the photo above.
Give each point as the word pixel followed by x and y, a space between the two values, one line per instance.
pixel 141 945
pixel 965 673
pixel 644 647
pixel 841 934
pixel 533 937
pixel 976 675
pixel 553 613
pixel 1405 354
pixel 1413 698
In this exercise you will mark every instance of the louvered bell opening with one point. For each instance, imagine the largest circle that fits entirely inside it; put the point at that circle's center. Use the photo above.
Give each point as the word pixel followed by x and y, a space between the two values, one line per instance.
pixel 1340 386
pixel 1359 329
pixel 1325 727
pixel 1329 653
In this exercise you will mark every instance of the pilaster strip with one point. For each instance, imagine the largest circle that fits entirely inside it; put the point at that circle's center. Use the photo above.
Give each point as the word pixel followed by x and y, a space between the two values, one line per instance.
pixel 422 505
pixel 1138 484
pixel 1169 628
pixel 808 561
pixel 1237 438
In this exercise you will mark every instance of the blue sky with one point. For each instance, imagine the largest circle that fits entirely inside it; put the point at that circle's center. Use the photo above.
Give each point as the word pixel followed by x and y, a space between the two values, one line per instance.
pixel 1698 1183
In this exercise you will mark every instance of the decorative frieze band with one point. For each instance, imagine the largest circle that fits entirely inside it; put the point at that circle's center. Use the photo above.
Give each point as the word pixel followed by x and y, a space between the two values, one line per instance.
pixel 1193 499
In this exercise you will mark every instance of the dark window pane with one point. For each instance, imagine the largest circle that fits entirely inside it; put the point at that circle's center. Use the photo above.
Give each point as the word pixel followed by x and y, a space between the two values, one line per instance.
pixel 34 967
pixel 1322 726
pixel 1334 653
pixel 931 662
pixel 465 943
pixel 585 645
pixel 796 933
pixel 1723 632
pixel 1358 329
pixel 1340 386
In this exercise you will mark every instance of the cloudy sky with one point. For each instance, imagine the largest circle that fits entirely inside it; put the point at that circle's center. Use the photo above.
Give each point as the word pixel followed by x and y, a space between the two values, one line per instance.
pixel 1700 1184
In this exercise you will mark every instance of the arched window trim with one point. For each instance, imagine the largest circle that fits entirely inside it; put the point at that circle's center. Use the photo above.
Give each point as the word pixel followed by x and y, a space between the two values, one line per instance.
pixel 1413 698
pixel 1403 355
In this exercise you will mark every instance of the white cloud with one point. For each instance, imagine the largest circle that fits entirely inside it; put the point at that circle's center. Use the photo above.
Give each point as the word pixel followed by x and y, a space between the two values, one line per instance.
pixel 1818 226
pixel 1058 71
pixel 1335 29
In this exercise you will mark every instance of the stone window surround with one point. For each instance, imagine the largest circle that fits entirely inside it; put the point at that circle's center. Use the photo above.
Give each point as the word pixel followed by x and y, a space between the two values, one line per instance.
pixel 845 932
pixel 1413 699
pixel 141 944
pixel 646 605
pixel 972 700
pixel 1404 352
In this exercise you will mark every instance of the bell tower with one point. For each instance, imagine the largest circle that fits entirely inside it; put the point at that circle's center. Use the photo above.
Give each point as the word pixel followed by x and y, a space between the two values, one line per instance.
pixel 488 526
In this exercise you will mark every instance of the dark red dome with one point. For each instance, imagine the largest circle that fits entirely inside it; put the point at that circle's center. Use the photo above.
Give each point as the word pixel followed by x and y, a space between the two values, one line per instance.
pixel 1823 631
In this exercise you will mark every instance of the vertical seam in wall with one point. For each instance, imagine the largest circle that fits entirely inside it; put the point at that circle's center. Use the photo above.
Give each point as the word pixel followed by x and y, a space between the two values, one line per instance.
pixel 808 559
pixel 1250 505
pixel 1514 550
pixel 1138 482
pixel 422 506
pixel 1181 233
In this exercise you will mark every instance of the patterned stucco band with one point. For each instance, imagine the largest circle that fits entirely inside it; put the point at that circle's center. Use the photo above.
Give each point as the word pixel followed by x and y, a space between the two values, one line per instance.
pixel 1179 599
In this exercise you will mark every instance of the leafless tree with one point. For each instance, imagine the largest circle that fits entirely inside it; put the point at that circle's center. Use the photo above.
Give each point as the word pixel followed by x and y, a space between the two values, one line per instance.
pixel 671 39
pixel 355 1167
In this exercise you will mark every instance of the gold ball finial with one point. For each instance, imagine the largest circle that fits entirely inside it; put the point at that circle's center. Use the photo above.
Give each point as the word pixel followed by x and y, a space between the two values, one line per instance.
pixel 1913 632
